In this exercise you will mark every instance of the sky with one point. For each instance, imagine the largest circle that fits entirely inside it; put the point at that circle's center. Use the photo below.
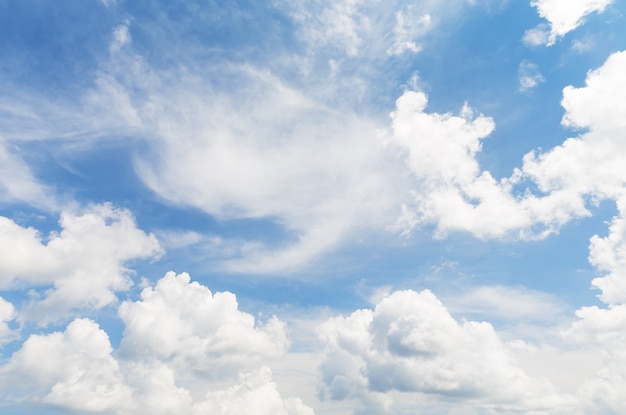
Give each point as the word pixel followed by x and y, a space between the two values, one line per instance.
pixel 348 207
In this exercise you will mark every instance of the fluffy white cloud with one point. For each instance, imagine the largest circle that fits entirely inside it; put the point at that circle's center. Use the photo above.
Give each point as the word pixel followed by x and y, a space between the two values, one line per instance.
pixel 84 263
pixel 452 192
pixel 608 255
pixel 410 343
pixel 194 330
pixel 73 369
pixel 602 330
pixel 184 350
pixel 455 194
pixel 590 164
pixel 563 16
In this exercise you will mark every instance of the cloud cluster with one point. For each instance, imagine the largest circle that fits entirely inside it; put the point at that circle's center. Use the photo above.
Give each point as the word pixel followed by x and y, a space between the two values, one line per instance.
pixel 80 267
pixel 184 350
pixel 587 165
pixel 184 324
pixel 452 192
pixel 410 343
pixel 256 147
pixel 550 189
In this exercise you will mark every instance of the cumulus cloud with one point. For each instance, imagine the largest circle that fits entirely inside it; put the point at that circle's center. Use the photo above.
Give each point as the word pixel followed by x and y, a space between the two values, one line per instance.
pixel 410 343
pixel 77 373
pixel 194 330
pixel 589 164
pixel 601 328
pixel 84 262
pixel 563 16
pixel 454 193
pixel 184 350
pixel 608 255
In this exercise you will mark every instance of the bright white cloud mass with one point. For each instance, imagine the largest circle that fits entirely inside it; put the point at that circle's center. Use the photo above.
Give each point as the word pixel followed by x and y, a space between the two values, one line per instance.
pixel 313 207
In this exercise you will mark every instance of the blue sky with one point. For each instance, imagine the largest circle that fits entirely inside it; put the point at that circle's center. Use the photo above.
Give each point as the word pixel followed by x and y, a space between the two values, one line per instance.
pixel 312 207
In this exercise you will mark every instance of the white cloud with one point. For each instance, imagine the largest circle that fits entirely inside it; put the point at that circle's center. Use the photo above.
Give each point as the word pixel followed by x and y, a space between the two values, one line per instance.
pixel 84 263
pixel 455 194
pixel 176 239
pixel 194 330
pixel 18 184
pixel 583 45
pixel 7 314
pixel 121 37
pixel 597 105
pixel 450 189
pixel 590 164
pixel 184 350
pixel 608 255
pixel 255 394
pixel 529 76
pixel 513 304
pixel 537 36
pixel 563 16
pixel 410 343
pixel 77 373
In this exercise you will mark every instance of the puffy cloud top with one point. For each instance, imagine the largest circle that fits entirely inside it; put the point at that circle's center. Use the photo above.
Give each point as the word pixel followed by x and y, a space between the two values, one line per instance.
pixel 84 263
pixel 410 343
